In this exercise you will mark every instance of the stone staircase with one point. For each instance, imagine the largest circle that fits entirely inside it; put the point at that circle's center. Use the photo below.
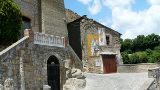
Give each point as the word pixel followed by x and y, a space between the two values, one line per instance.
pixel 76 60
pixel 10 52
pixel 15 59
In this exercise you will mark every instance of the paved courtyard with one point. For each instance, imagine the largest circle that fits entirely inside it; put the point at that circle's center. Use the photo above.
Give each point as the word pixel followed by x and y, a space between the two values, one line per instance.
pixel 117 81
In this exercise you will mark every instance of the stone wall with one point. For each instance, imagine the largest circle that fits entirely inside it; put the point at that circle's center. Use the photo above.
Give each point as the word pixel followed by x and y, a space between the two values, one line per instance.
pixel 10 64
pixel 136 68
pixel 31 10
pixel 35 63
pixel 71 16
pixel 10 69
pixel 53 17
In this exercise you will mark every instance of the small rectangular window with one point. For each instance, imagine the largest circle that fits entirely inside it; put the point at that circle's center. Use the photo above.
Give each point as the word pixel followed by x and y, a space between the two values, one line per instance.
pixel 107 39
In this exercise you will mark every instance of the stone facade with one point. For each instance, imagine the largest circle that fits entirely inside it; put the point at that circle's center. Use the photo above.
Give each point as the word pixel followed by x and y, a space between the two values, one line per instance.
pixel 71 16
pixel 33 61
pixel 90 30
pixel 24 65
pixel 53 17
pixel 31 10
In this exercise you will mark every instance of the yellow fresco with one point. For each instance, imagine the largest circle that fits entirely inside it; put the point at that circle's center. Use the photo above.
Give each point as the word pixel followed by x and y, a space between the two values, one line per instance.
pixel 92 43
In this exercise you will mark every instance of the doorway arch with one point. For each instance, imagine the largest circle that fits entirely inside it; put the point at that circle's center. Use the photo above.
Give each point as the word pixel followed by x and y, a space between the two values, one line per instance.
pixel 53 73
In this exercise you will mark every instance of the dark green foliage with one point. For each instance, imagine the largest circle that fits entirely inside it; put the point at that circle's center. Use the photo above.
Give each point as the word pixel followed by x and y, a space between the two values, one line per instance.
pixel 10 22
pixel 142 49
pixel 127 45
pixel 147 56
pixel 138 43
pixel 155 56
pixel 141 43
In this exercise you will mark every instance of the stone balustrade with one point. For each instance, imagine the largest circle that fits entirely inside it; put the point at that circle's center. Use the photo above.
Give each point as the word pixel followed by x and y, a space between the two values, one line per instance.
pixel 49 40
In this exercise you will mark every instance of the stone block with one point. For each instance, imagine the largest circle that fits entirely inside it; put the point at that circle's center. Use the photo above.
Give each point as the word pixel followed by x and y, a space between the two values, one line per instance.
pixel 46 87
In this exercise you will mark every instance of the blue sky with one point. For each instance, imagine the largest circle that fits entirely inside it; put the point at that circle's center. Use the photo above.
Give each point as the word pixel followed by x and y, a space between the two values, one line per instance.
pixel 129 17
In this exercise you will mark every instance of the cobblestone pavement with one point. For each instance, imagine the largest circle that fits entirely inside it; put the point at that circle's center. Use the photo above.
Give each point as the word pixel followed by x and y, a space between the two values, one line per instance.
pixel 116 81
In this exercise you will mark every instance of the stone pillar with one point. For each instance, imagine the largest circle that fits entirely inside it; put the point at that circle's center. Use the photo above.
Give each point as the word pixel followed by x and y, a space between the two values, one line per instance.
pixel 22 71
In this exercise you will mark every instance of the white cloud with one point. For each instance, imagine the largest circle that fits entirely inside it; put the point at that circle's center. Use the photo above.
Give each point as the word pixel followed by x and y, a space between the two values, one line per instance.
pixel 118 3
pixel 154 2
pixel 134 23
pixel 131 23
pixel 95 8
pixel 85 1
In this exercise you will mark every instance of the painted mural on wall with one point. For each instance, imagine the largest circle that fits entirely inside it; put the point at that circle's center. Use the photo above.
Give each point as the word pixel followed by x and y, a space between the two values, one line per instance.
pixel 93 45
pixel 102 40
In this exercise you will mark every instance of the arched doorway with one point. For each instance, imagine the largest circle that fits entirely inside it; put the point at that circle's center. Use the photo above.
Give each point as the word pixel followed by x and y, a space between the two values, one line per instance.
pixel 53 73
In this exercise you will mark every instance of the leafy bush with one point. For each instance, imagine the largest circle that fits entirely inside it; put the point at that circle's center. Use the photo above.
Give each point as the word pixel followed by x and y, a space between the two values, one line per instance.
pixel 155 57
pixel 134 58
pixel 148 56
pixel 148 51
pixel 125 57
pixel 157 48
pixel 10 22
pixel 142 57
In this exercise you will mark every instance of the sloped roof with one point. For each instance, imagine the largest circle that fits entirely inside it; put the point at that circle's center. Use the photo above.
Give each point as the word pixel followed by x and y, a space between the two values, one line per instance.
pixel 77 17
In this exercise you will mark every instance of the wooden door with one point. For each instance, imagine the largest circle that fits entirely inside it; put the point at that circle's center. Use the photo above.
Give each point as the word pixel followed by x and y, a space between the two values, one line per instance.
pixel 109 64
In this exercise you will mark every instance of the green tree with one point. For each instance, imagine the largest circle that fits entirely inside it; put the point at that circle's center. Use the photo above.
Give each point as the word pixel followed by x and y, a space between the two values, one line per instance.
pixel 138 43
pixel 127 45
pixel 10 22
pixel 151 41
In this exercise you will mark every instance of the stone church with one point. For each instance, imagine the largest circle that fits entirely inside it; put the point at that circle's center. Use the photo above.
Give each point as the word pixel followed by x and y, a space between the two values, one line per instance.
pixel 42 58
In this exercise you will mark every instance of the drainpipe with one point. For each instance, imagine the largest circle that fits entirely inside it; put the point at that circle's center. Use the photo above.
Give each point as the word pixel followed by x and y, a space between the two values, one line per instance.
pixel 21 70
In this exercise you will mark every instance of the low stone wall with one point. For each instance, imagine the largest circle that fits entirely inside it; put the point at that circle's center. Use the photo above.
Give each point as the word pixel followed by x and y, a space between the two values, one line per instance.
pixel 135 68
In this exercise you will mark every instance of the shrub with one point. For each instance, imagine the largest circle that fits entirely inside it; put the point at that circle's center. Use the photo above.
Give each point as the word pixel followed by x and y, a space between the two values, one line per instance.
pixel 125 57
pixel 142 57
pixel 10 22
pixel 148 51
pixel 155 57
pixel 134 58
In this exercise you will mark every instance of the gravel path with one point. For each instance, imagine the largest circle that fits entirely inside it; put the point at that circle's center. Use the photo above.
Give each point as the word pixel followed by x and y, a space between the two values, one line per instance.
pixel 117 81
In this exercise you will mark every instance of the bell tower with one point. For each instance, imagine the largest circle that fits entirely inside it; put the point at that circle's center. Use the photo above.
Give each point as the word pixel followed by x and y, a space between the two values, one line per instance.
pixel 53 17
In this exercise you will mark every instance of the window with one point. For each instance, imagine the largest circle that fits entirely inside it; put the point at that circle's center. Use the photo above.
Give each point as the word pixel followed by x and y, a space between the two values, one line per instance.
pixel 26 23
pixel 107 40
